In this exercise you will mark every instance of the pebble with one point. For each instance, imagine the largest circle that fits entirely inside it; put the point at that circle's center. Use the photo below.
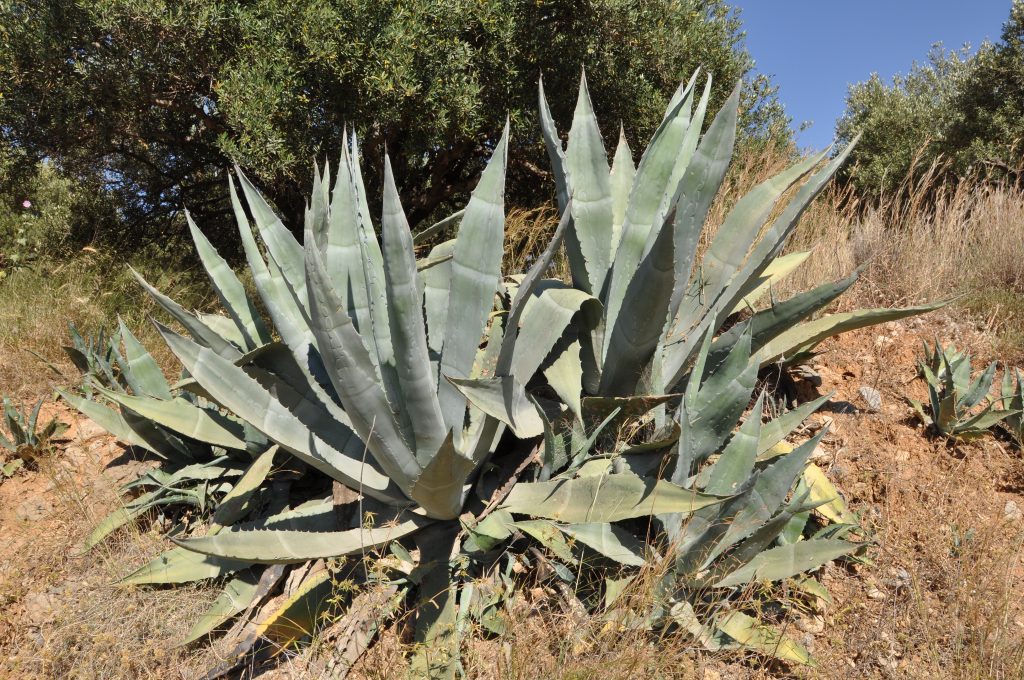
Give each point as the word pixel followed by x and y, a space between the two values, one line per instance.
pixel 815 625
pixel 872 398
pixel 1012 512
pixel 34 509
pixel 875 594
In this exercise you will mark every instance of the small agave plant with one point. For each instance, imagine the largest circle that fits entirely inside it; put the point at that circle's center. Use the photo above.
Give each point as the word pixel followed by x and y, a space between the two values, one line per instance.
pixel 453 422
pixel 25 438
pixel 1012 398
pixel 954 397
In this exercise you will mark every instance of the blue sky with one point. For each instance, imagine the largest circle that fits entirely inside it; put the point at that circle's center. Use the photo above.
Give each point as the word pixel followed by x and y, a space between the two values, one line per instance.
pixel 815 48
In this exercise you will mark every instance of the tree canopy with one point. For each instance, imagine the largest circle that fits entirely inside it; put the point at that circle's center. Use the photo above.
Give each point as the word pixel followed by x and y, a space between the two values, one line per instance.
pixel 960 109
pixel 150 101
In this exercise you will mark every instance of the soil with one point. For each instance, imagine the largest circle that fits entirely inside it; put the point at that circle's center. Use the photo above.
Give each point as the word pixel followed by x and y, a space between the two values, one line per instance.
pixel 942 595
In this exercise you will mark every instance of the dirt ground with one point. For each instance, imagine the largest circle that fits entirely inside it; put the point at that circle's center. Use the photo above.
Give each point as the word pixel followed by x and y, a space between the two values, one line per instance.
pixel 943 596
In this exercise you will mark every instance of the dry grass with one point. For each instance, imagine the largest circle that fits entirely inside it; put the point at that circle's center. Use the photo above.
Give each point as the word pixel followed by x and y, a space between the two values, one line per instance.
pixel 965 242
pixel 64 614
pixel 90 291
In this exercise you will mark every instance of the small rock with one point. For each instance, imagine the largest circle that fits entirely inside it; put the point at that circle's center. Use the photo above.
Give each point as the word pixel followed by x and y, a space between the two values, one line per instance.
pixel 875 594
pixel 39 608
pixel 88 429
pixel 820 455
pixel 1012 512
pixel 815 625
pixel 872 398
pixel 33 509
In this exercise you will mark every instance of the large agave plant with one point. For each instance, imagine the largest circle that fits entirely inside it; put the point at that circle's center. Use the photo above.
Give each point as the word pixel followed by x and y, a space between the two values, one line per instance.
pixel 405 405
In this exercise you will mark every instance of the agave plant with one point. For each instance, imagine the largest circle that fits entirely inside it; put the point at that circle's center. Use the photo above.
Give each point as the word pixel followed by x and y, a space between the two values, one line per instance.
pixel 1012 399
pixel 632 244
pixel 954 398
pixel 25 438
pixel 405 410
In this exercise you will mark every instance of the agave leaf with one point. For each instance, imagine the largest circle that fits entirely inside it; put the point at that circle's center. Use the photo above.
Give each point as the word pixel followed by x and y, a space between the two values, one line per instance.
pixel 779 269
pixel 282 247
pixel 649 186
pixel 611 541
pixel 694 125
pixel 777 429
pixel 978 425
pixel 638 326
pixel 143 374
pixel 408 333
pixel 544 320
pixel 225 328
pixel 696 191
pixel 199 331
pixel 763 252
pixel 979 389
pixel 749 633
pixel 788 560
pixel 122 516
pixel 548 534
pixel 287 547
pixel 288 418
pixel 736 462
pixel 761 539
pixel 565 376
pixel 351 372
pixel 297 615
pixel 586 163
pixel 436 285
pixel 236 503
pixel 486 534
pixel 620 183
pixel 476 269
pixel 505 399
pixel 807 335
pixel 178 565
pixel 826 497
pixel 441 487
pixel 767 495
pixel 237 595
pixel 766 324
pixel 554 146
pixel 695 539
pixel 740 229
pixel 716 407
pixel 283 309
pixel 114 423
pixel 184 417
pixel 373 265
pixel 438 227
pixel 607 498
pixel 230 290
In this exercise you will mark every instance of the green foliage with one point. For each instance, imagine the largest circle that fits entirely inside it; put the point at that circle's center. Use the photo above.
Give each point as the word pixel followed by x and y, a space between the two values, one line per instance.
pixel 953 397
pixel 43 215
pixel 411 398
pixel 25 439
pixel 1012 399
pixel 148 102
pixel 959 110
